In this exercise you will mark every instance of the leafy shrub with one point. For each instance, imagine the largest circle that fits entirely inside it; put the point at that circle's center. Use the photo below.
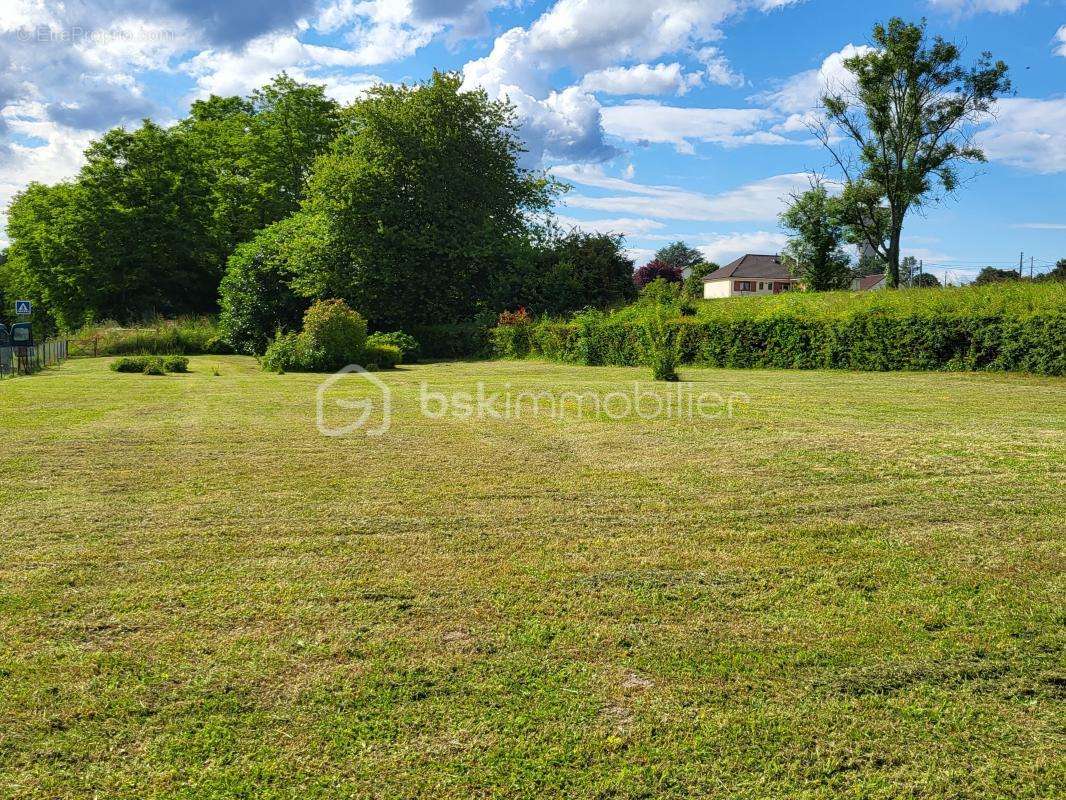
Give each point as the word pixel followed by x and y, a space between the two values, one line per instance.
pixel 286 353
pixel 1001 327
pixel 333 336
pixel 657 270
pixel 381 356
pixel 175 363
pixel 405 342
pixel 154 368
pixel 136 363
pixel 660 347
pixel 519 317
pixel 661 292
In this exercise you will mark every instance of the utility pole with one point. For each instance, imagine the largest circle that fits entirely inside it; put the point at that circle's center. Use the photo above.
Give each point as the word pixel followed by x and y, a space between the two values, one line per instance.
pixel 921 264
pixel 1031 260
pixel 1021 260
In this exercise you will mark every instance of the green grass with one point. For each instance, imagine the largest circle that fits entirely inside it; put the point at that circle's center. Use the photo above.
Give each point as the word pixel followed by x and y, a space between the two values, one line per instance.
pixel 854 587
pixel 1010 299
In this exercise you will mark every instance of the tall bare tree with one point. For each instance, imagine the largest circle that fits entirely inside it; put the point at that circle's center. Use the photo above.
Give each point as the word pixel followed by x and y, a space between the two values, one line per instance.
pixel 903 130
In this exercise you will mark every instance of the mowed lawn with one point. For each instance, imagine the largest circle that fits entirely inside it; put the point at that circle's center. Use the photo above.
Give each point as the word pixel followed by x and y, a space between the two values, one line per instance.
pixel 854 587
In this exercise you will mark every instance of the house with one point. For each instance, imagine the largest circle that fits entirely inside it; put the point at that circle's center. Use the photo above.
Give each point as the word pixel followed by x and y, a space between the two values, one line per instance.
pixel 868 283
pixel 749 274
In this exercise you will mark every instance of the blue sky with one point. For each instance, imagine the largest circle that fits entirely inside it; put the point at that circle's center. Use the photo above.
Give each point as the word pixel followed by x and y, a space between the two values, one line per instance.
pixel 677 119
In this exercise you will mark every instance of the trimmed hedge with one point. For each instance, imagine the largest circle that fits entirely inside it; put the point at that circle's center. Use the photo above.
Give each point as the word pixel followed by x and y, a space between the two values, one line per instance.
pixel 791 337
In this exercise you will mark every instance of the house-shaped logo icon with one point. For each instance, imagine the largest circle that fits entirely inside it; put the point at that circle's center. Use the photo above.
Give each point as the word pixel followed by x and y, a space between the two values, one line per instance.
pixel 23 308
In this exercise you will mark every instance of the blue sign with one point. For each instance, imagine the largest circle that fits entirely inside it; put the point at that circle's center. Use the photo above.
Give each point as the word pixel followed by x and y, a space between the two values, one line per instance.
pixel 23 308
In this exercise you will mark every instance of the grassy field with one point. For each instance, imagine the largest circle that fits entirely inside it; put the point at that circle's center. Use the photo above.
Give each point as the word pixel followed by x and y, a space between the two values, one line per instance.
pixel 853 587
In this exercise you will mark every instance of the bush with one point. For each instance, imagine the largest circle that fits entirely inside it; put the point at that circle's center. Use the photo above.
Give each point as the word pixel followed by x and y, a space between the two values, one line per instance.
pixel 175 363
pixel 284 354
pixel 333 336
pixel 381 356
pixel 1011 327
pixel 154 368
pixel 136 363
pixel 660 347
pixel 405 342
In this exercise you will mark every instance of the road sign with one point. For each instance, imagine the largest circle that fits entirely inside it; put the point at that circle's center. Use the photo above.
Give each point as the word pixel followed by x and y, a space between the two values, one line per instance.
pixel 23 308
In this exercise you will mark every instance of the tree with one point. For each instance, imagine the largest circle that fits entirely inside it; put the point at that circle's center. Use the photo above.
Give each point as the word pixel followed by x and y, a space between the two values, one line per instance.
pixel 693 288
pixel 422 200
pixel 654 270
pixel 814 251
pixel 995 275
pixel 906 124
pixel 680 255
pixel 925 279
pixel 1056 273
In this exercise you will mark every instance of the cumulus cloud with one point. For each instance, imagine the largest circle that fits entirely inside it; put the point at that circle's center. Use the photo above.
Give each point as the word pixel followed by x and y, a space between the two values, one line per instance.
pixel 756 201
pixel 641 79
pixel 1060 39
pixel 960 8
pixel 800 96
pixel 587 37
pixel 1027 133
pixel 723 248
pixel 718 69
pixel 226 72
pixel 652 122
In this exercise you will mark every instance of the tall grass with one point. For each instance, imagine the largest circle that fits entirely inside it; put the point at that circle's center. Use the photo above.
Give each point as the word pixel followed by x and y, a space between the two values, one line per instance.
pixel 181 336
pixel 1016 327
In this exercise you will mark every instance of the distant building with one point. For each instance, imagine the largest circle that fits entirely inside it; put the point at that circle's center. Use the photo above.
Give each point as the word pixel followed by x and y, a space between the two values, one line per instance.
pixel 868 283
pixel 749 274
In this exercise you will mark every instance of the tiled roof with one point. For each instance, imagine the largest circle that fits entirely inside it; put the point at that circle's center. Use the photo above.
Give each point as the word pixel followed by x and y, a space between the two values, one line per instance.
pixel 752 266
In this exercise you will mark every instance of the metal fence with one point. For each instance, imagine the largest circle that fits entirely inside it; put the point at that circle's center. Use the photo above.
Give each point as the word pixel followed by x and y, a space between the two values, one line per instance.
pixel 27 360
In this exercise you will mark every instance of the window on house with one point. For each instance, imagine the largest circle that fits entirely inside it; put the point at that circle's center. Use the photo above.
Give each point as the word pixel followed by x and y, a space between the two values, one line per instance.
pixel 760 286
pixel 744 286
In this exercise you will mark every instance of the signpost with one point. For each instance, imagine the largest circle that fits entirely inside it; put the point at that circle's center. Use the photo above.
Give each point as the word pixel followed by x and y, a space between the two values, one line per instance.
pixel 23 308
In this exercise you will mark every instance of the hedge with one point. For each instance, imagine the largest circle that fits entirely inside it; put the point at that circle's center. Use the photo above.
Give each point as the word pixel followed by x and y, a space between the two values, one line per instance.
pixel 866 339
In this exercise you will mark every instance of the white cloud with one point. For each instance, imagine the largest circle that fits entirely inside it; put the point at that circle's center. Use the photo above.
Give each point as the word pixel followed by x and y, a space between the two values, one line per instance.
pixel 1027 133
pixel 225 72
pixel 585 37
pixel 627 226
pixel 649 121
pixel 756 201
pixel 967 7
pixel 803 92
pixel 57 159
pixel 1041 226
pixel 641 79
pixel 718 69
pixel 1060 37
pixel 725 247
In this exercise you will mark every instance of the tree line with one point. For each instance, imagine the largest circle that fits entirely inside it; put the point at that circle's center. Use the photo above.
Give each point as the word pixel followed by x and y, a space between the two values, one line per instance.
pixel 410 204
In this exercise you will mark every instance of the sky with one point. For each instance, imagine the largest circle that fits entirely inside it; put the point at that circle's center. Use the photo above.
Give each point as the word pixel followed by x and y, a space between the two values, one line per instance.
pixel 675 119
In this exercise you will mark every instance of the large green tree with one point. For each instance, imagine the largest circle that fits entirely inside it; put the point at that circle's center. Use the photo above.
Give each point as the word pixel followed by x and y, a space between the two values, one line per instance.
pixel 903 130
pixel 679 254
pixel 814 251
pixel 149 222
pixel 421 199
